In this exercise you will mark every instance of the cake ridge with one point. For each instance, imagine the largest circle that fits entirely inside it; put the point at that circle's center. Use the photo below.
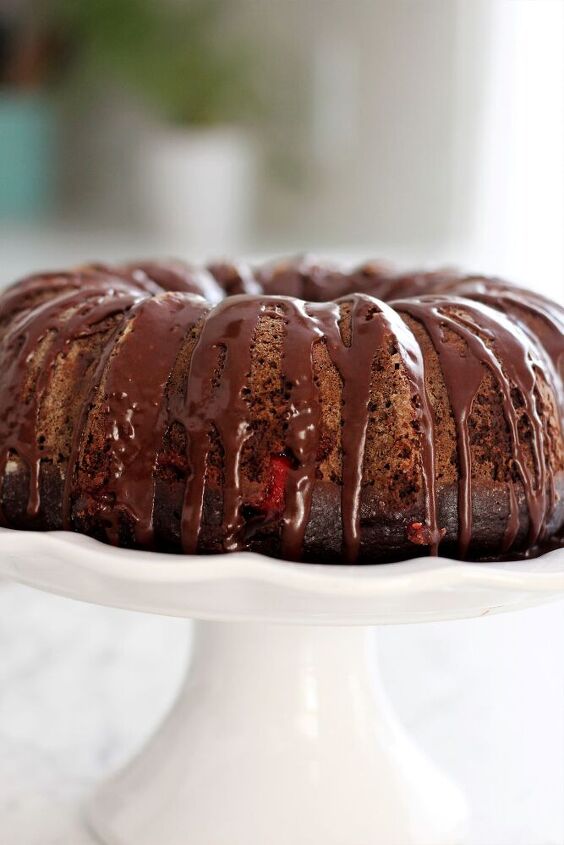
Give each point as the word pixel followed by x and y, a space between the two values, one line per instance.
pixel 431 311
pixel 17 422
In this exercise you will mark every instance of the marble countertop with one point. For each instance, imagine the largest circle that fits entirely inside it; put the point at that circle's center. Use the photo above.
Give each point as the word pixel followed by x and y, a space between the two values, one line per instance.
pixel 82 686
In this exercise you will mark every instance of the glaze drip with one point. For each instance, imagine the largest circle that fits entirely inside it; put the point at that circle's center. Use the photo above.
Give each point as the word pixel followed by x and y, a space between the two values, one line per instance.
pixel 231 328
pixel 489 342
pixel 374 326
pixel 227 333
pixel 131 417
pixel 72 313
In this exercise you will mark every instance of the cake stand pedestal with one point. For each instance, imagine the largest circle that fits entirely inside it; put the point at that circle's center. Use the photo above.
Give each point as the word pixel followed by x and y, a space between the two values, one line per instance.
pixel 281 733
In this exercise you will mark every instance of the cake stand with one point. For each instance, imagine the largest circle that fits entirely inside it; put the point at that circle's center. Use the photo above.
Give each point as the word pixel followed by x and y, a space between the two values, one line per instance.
pixel 281 733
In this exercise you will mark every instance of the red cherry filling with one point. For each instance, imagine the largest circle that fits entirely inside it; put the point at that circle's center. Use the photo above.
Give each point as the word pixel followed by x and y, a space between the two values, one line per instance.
pixel 421 535
pixel 275 490
pixel 261 512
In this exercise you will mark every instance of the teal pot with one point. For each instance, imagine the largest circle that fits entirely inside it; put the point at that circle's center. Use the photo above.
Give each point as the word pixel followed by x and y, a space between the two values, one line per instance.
pixel 27 156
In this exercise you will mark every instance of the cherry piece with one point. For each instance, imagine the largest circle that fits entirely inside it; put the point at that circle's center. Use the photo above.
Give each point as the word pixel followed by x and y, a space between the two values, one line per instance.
pixel 273 499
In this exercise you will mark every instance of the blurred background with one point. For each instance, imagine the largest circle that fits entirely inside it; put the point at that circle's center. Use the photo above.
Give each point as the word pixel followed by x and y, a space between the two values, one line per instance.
pixel 425 131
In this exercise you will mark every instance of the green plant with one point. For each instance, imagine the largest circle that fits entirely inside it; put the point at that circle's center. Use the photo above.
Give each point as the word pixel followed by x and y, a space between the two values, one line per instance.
pixel 182 58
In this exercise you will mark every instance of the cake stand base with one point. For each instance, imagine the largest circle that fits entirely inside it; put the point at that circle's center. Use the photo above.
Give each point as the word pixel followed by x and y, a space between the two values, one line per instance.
pixel 281 735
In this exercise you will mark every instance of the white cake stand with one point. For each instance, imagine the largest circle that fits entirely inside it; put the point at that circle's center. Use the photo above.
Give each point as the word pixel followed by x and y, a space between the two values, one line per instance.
pixel 281 734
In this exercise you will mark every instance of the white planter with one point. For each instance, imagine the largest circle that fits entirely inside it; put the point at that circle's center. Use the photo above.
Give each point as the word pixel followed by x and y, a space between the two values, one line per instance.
pixel 197 188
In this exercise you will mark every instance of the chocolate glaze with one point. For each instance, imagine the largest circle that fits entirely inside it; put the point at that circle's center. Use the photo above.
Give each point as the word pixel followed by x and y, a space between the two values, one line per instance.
pixel 490 341
pixel 537 316
pixel 373 326
pixel 231 327
pixel 234 279
pixel 132 418
pixel 91 304
pixel 514 335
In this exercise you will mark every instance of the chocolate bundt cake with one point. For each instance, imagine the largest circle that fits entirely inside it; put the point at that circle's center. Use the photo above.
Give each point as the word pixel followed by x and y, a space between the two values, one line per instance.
pixel 297 409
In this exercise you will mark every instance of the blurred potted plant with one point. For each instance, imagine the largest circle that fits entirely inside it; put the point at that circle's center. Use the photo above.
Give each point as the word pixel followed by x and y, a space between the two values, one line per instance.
pixel 182 60
pixel 28 60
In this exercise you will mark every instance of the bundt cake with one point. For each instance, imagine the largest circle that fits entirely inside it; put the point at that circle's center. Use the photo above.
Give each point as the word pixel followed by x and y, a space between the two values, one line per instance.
pixel 296 409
